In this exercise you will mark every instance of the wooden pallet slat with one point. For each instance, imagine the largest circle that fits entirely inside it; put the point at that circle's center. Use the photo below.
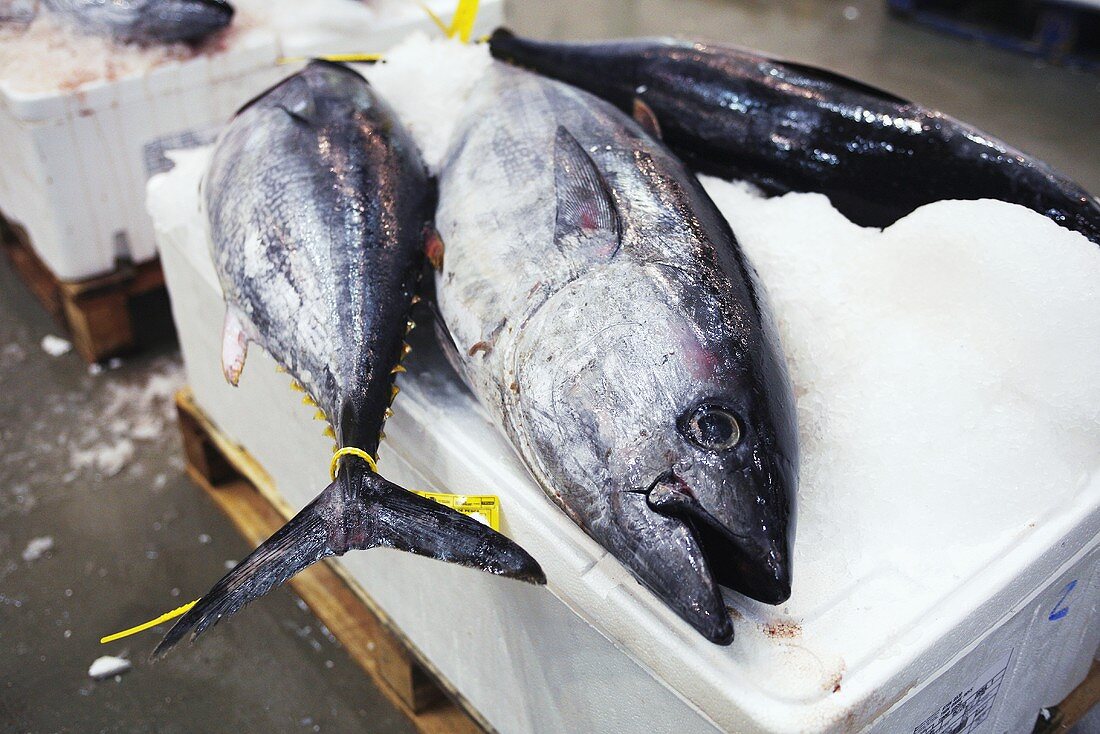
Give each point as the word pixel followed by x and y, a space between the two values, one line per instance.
pixel 96 310
pixel 243 491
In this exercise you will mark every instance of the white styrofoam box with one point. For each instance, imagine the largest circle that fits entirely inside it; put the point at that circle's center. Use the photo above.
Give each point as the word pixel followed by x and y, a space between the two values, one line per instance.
pixel 594 651
pixel 73 164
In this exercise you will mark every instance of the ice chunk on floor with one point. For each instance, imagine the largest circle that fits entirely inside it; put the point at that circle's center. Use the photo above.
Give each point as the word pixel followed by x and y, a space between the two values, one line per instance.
pixel 108 666
pixel 37 547
pixel 55 346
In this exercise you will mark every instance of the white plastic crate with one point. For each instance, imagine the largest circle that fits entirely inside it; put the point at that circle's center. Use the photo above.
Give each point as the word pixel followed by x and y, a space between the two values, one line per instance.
pixel 594 651
pixel 73 164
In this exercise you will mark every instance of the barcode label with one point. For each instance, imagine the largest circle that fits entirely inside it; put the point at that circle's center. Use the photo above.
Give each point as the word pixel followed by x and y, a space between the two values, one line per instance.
pixel 968 710
pixel 485 508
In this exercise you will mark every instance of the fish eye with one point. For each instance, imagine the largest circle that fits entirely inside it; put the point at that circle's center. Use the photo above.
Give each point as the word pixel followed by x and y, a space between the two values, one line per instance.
pixel 712 428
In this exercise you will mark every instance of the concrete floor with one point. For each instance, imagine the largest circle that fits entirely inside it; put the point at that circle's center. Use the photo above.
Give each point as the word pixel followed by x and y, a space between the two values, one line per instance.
pixel 131 543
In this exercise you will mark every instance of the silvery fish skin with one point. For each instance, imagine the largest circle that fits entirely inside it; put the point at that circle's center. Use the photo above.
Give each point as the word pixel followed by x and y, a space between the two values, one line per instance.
pixel 790 127
pixel 139 21
pixel 318 204
pixel 601 309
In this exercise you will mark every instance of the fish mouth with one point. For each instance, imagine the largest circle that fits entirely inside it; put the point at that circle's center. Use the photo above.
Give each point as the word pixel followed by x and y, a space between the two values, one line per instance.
pixel 755 563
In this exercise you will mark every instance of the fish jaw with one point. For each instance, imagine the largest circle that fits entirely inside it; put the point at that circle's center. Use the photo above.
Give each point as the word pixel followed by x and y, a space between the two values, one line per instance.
pixel 751 556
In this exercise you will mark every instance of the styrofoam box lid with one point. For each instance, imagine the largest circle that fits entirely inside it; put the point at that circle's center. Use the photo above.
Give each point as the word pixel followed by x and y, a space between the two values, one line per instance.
pixel 786 682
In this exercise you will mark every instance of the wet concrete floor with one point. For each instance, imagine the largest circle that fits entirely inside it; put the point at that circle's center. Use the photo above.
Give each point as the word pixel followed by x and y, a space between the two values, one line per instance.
pixel 90 463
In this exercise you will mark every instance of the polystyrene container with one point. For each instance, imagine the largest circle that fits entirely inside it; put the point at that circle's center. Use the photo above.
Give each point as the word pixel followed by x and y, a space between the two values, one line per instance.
pixel 593 650
pixel 73 164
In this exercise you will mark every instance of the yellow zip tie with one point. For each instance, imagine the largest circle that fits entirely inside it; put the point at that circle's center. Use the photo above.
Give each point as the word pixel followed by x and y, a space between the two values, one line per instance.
pixel 334 465
pixel 463 23
pixel 178 611
pixel 435 18
pixel 349 58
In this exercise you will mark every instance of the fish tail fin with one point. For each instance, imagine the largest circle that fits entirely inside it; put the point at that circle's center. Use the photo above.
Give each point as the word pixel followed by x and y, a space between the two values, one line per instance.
pixel 359 510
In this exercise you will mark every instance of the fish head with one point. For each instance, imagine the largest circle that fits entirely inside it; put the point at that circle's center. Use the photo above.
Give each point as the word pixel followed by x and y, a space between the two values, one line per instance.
pixel 668 447
pixel 167 21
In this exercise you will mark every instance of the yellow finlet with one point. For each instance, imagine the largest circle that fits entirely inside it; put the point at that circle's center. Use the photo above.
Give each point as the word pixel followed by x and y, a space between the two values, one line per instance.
pixel 320 415
pixel 280 369
pixel 398 369
pixel 405 349
pixel 409 325
pixel 329 433
pixel 178 611
pixel 393 392
pixel 297 386
pixel 389 412
pixel 416 298
pixel 307 400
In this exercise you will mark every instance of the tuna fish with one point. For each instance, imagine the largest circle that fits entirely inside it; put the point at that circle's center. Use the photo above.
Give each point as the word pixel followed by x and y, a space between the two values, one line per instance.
pixel 789 127
pixel 601 309
pixel 318 204
pixel 138 21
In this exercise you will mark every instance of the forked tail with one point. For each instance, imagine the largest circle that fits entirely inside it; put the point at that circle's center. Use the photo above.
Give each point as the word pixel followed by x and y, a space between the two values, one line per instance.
pixel 359 510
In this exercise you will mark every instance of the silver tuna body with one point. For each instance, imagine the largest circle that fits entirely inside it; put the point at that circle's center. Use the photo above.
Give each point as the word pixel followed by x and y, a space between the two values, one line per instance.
pixel 604 315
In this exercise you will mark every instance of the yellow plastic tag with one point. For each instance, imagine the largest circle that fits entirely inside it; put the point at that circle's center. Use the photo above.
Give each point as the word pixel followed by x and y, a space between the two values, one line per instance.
pixel 484 508
pixel 463 23
pixel 349 58
pixel 177 612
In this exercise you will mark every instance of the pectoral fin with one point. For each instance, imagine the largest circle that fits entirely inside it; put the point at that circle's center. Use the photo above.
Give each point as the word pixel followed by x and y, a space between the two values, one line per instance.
pixel 234 346
pixel 587 224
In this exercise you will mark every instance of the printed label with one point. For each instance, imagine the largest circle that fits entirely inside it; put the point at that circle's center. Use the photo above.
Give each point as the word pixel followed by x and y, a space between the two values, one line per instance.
pixel 969 709
pixel 485 508
pixel 154 152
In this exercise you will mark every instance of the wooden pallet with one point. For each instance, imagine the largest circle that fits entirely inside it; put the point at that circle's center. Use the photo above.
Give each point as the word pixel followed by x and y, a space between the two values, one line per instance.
pixel 1079 702
pixel 96 311
pixel 245 492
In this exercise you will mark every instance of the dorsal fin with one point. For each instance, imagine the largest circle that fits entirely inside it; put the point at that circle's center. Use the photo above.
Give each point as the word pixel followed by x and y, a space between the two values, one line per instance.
pixel 832 77
pixel 587 223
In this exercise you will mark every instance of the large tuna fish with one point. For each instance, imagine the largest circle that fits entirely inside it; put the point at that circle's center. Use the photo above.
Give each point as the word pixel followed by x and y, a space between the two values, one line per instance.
pixel 318 204
pixel 790 127
pixel 603 312
pixel 139 21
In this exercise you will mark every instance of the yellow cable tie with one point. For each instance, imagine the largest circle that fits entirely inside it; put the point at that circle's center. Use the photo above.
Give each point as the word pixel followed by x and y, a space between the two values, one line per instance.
pixel 435 18
pixel 334 466
pixel 349 58
pixel 178 611
pixel 462 24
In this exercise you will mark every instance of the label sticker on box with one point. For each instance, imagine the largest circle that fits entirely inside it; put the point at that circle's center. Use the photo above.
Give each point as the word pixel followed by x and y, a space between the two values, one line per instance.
pixel 970 708
pixel 485 508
